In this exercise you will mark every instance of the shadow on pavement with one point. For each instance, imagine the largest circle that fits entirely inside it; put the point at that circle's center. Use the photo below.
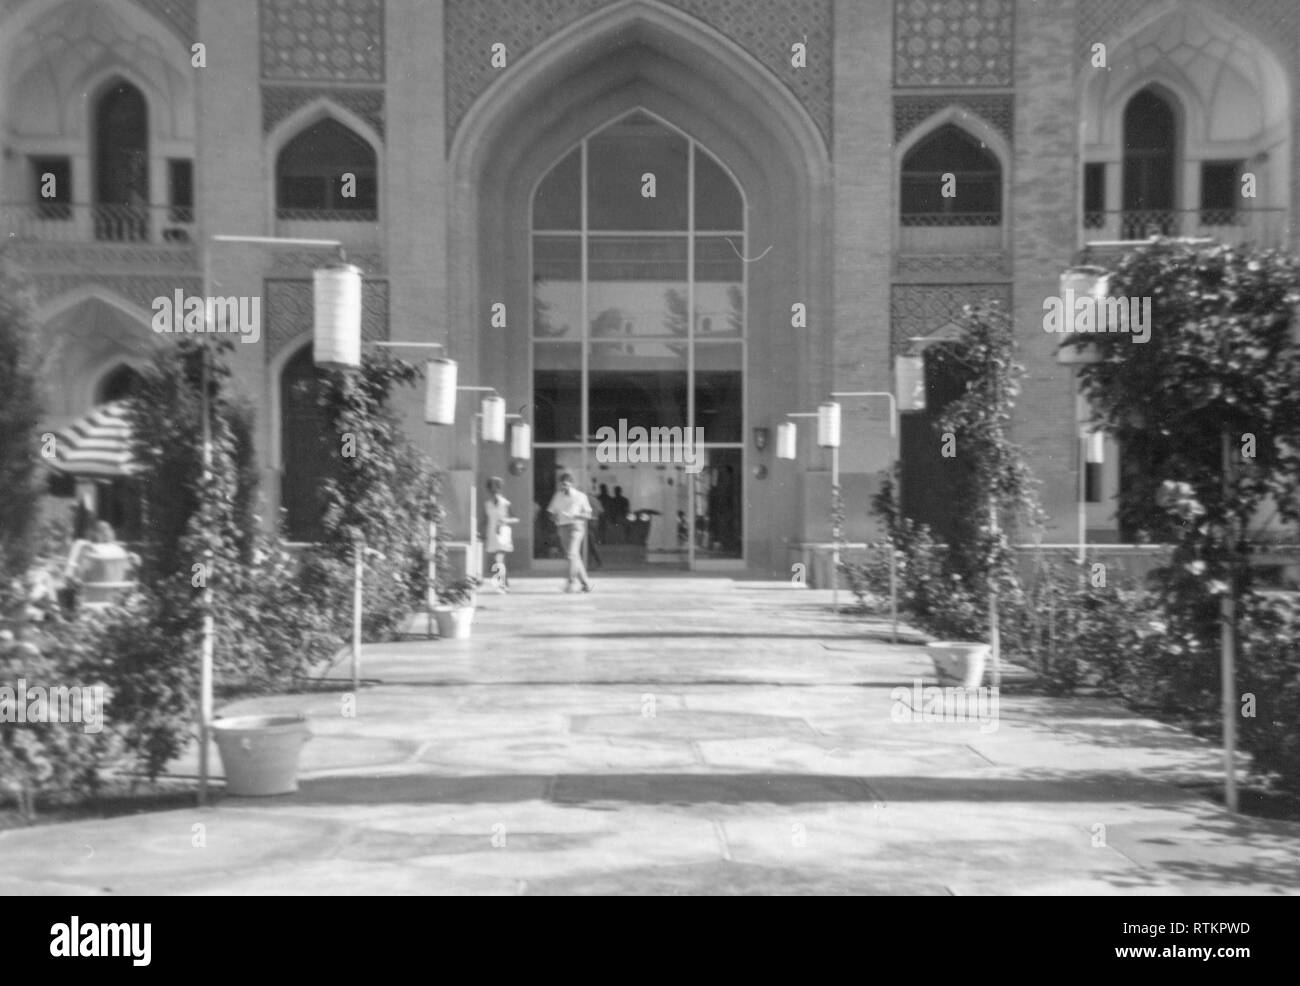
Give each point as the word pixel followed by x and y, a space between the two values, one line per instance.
pixel 734 788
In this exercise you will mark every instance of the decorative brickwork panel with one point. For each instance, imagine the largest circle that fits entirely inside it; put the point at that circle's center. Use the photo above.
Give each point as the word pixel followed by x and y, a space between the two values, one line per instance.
pixel 279 102
pixel 925 309
pixel 298 264
pixel 764 28
pixel 949 266
pixel 140 290
pixel 911 111
pixel 101 258
pixel 1275 22
pixel 180 15
pixel 954 42
pixel 324 40
pixel 288 312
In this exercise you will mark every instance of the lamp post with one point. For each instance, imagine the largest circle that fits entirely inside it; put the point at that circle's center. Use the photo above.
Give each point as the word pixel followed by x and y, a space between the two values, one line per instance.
pixel 828 436
pixel 431 369
pixel 440 408
pixel 893 434
pixel 208 634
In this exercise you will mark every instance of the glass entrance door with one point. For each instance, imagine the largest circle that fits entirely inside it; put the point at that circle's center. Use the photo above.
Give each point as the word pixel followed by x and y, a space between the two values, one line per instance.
pixel 639 344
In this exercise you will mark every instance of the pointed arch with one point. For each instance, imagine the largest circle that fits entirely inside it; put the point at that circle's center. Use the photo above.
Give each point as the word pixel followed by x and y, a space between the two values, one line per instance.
pixel 303 119
pixel 635 54
pixel 93 292
pixel 964 119
pixel 922 239
pixel 148 53
pixel 305 116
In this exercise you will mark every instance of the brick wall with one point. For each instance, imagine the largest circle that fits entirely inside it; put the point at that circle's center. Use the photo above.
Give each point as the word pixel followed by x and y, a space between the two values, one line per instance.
pixel 1044 212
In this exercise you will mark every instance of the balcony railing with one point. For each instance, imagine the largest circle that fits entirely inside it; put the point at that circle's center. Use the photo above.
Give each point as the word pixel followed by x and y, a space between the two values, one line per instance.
pixel 949 232
pixel 327 215
pixel 1264 226
pixel 66 222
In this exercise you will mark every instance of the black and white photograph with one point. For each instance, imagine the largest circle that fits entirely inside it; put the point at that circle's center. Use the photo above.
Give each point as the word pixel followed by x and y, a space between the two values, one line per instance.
pixel 649 448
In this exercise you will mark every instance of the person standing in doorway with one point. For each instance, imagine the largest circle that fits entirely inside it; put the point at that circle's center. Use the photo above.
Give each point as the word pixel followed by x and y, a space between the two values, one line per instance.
pixel 571 510
pixel 498 533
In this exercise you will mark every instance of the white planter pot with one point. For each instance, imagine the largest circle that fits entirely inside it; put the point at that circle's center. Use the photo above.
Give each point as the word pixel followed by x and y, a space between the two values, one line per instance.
pixel 454 622
pixel 260 753
pixel 959 661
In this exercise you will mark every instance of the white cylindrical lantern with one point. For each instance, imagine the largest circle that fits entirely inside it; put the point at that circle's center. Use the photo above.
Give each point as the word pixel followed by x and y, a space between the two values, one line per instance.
pixel 440 391
pixel 494 418
pixel 909 378
pixel 337 324
pixel 1091 282
pixel 1085 282
pixel 828 425
pixel 1094 447
pixel 521 440
pixel 787 437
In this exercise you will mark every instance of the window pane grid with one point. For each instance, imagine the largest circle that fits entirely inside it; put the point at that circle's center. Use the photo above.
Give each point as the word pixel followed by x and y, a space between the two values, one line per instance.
pixel 643 299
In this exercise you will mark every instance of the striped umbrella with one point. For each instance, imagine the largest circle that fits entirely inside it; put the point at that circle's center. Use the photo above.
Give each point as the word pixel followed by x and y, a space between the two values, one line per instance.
pixel 98 444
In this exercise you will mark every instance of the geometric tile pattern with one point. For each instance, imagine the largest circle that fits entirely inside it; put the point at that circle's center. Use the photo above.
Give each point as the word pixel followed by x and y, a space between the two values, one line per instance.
pixel 764 28
pixel 180 15
pixel 924 309
pixel 948 267
pixel 139 289
pixel 1277 21
pixel 998 110
pixel 288 311
pixel 325 40
pixel 278 101
pixel 953 42
pixel 298 264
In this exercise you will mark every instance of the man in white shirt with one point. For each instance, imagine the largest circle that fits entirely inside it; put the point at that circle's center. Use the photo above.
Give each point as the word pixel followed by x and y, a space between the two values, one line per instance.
pixel 571 510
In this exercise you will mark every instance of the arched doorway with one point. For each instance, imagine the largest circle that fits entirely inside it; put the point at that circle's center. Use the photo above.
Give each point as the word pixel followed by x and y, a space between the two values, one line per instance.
pixel 305 447
pixel 122 164
pixel 1150 166
pixel 638 342
pixel 699 86
pixel 117 385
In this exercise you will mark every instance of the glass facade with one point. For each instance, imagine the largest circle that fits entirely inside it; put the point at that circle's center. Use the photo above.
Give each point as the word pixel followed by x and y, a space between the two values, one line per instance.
pixel 638 343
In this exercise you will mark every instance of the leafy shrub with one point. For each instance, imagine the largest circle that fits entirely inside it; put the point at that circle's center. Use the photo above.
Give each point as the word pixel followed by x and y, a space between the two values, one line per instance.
pixel 461 592
pixel 386 492
pixel 1268 649
pixel 43 759
pixel 20 412
pixel 1077 634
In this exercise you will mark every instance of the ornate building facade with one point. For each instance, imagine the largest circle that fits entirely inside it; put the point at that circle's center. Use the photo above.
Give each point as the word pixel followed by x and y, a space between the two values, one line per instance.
pixel 484 161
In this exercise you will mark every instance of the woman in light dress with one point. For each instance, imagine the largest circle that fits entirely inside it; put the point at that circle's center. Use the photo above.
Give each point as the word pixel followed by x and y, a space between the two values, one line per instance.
pixel 498 534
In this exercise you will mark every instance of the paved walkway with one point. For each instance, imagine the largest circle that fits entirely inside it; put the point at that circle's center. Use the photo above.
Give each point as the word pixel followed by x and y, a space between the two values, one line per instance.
pixel 684 736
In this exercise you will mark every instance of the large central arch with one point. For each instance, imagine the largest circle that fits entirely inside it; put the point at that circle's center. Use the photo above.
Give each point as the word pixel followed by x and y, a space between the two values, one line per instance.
pixel 641 54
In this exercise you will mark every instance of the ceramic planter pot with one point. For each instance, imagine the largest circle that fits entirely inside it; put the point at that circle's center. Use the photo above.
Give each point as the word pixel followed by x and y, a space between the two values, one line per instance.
pixel 959 661
pixel 454 622
pixel 260 753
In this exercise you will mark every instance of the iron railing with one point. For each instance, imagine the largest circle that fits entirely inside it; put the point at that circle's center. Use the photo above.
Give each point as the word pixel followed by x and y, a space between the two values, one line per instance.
pixel 1262 226
pixel 943 219
pixel 69 222
pixel 328 215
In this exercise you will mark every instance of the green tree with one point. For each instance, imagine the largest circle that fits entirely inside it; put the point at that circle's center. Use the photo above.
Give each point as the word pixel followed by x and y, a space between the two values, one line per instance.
pixel 1221 361
pixel 383 487
pixel 20 413
pixel 1208 414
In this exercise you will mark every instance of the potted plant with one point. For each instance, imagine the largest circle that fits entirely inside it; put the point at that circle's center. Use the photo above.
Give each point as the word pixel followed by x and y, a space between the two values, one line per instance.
pixel 455 610
pixel 960 661
pixel 260 753
pixel 954 617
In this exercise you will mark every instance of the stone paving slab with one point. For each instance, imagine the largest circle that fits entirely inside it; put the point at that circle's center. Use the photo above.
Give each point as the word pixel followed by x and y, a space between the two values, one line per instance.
pixel 694 736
